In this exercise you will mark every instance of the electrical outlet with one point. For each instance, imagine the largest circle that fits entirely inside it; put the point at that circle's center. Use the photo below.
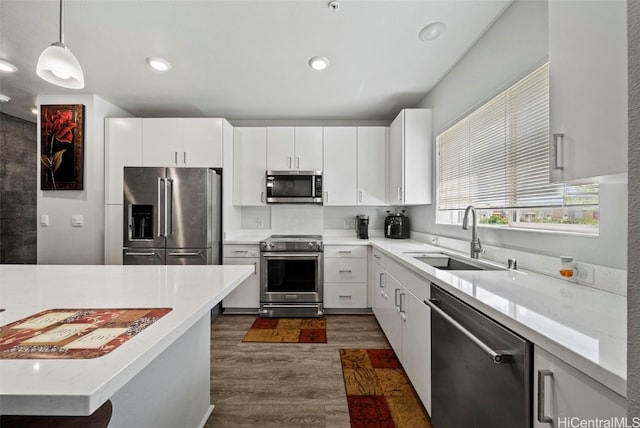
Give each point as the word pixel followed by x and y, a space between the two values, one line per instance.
pixel 346 224
pixel 586 274
pixel 77 220
pixel 260 223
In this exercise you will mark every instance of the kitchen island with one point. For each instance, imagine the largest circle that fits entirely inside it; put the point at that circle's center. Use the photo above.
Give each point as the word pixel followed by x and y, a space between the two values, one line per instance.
pixel 160 377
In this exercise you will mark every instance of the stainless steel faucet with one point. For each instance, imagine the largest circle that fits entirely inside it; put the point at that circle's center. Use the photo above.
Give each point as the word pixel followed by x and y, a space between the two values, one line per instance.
pixel 476 247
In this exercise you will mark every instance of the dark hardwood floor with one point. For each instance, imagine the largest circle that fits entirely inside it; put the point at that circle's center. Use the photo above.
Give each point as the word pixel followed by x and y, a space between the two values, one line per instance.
pixel 283 385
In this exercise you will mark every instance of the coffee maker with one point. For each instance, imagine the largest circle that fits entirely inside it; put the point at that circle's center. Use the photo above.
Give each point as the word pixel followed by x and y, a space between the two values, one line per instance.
pixel 362 226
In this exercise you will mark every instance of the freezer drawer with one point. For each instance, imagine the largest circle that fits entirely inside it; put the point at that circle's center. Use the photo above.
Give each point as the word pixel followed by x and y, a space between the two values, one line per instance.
pixel 186 256
pixel 143 256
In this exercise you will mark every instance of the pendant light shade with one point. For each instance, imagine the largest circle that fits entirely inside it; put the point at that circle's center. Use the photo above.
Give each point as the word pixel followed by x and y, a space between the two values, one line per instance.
pixel 58 65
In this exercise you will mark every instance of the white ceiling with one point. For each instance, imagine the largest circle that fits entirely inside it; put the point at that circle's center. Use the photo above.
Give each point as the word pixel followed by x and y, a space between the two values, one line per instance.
pixel 243 59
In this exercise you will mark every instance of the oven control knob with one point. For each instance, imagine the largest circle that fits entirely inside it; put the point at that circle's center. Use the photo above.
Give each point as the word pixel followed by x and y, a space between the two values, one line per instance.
pixel 310 244
pixel 263 244
pixel 271 245
pixel 318 245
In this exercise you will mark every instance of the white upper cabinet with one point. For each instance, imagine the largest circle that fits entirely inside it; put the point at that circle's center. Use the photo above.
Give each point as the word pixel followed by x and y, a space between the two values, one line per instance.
pixel 290 148
pixel 372 181
pixel 588 88
pixel 185 142
pixel 308 152
pixel 249 166
pixel 280 148
pixel 123 139
pixel 340 159
pixel 410 158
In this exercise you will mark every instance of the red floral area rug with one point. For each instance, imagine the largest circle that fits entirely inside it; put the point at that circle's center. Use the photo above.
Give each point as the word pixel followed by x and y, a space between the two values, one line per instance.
pixel 74 333
pixel 379 393
pixel 288 330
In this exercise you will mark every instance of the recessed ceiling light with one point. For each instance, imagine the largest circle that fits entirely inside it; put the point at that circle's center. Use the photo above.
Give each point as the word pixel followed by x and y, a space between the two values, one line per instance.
pixel 4 98
pixel 7 66
pixel 432 31
pixel 158 63
pixel 319 63
pixel 34 110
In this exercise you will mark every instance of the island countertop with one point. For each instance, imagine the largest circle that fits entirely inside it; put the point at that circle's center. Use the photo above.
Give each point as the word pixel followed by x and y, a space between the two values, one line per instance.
pixel 79 387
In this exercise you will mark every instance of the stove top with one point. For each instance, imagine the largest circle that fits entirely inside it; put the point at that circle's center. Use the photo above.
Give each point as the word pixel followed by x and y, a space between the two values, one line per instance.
pixel 292 243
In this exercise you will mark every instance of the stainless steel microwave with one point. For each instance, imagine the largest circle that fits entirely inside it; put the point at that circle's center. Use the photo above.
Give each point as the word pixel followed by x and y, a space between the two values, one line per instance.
pixel 294 187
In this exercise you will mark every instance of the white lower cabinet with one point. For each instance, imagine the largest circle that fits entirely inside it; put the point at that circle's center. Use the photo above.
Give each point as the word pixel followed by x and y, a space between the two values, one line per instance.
pixel 345 277
pixel 405 319
pixel 564 396
pixel 245 298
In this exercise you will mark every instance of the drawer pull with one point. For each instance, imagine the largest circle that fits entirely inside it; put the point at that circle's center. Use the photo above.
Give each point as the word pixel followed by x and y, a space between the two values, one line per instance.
pixel 344 297
pixel 542 375
pixel 344 252
pixel 240 251
pixel 345 271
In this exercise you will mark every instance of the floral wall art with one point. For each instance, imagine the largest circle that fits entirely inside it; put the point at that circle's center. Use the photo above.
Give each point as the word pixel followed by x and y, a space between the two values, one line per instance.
pixel 62 147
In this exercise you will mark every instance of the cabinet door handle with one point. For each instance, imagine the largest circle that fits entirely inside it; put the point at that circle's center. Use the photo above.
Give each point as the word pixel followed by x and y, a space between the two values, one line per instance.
pixel 399 193
pixel 556 152
pixel 261 196
pixel 381 276
pixel 297 162
pixel 184 158
pixel 396 298
pixel 401 307
pixel 255 268
pixel 289 161
pixel 326 196
pixel 175 158
pixel 376 256
pixel 542 375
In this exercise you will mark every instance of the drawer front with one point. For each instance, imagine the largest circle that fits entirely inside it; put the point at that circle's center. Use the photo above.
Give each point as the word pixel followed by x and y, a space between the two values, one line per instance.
pixel 345 270
pixel 416 284
pixel 378 257
pixel 241 251
pixel 340 295
pixel 348 251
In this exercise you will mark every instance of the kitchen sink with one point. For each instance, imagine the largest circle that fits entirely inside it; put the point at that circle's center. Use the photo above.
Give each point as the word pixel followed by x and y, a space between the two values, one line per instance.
pixel 448 262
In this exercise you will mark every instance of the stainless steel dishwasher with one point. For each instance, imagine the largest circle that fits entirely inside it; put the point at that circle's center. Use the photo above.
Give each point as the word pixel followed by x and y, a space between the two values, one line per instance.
pixel 481 371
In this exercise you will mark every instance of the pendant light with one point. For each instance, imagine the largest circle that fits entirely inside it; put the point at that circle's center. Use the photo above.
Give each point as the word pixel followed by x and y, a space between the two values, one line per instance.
pixel 58 65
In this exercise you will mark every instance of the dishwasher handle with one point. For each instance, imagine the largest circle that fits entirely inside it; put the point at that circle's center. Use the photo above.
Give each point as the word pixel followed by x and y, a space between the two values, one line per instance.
pixel 497 357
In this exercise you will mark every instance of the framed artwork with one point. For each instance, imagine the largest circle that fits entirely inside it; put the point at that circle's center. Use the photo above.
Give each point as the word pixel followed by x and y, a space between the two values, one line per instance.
pixel 62 147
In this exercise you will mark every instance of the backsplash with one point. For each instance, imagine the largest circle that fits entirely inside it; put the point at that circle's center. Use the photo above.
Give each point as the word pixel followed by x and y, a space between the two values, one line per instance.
pixel 310 218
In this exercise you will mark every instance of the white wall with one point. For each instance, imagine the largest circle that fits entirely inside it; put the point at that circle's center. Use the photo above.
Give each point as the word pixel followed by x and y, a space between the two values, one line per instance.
pixel 633 280
pixel 59 243
pixel 516 44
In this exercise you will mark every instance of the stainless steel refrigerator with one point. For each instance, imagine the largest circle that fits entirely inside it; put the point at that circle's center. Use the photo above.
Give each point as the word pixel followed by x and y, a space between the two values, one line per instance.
pixel 172 216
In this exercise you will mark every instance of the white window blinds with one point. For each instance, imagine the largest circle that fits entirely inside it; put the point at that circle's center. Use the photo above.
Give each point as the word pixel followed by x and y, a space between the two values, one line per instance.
pixel 497 156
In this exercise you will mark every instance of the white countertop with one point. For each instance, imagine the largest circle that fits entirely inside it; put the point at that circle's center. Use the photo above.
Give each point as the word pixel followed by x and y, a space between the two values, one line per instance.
pixel 79 387
pixel 584 326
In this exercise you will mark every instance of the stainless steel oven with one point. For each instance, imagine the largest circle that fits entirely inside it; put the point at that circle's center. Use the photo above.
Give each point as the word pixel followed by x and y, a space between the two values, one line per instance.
pixel 291 282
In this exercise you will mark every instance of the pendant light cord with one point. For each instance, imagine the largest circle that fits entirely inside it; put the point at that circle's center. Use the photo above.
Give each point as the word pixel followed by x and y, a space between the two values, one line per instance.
pixel 61 31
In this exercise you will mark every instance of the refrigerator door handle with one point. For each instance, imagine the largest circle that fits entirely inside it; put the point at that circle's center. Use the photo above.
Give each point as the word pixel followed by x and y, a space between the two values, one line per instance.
pixel 158 211
pixel 168 207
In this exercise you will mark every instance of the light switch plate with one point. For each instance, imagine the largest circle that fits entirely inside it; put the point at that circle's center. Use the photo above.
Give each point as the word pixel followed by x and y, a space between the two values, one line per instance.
pixel 77 220
pixel 44 220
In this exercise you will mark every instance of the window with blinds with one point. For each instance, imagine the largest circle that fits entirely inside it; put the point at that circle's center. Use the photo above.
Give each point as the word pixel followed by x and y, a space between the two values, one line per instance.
pixel 497 159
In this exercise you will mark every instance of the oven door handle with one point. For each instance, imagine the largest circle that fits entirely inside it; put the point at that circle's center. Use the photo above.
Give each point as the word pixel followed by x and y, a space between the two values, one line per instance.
pixel 284 256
